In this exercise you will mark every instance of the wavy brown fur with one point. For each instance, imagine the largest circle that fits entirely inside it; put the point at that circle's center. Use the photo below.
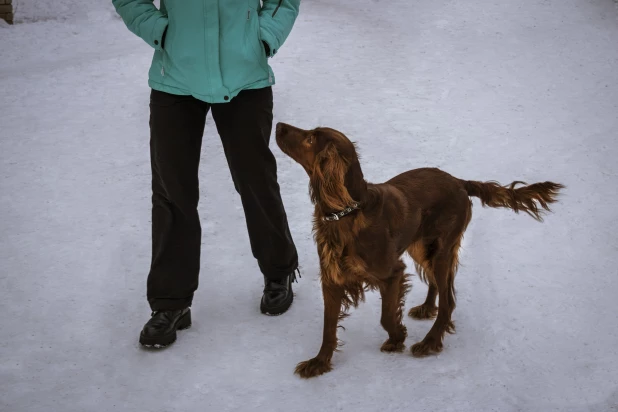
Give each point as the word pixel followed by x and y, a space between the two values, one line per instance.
pixel 526 198
pixel 327 182
pixel 423 212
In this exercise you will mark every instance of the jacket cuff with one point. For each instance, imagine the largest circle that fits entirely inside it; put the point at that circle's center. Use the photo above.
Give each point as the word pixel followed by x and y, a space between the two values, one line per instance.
pixel 270 40
pixel 158 30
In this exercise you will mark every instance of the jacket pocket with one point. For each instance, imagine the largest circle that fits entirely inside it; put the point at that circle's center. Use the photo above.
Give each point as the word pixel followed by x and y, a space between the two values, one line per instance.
pixel 166 61
pixel 253 38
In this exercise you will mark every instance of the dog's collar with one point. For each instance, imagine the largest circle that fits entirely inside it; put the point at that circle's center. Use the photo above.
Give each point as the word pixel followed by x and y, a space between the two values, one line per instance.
pixel 338 215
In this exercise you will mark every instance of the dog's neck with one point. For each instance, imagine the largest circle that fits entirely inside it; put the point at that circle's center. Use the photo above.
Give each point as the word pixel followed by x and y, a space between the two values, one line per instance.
pixel 356 186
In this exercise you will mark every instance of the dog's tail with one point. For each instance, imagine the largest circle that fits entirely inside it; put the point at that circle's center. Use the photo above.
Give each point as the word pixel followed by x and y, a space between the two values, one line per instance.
pixel 527 198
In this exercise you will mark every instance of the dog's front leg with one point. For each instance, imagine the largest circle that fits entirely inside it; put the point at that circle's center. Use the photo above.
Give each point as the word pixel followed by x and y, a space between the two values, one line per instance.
pixel 393 292
pixel 333 297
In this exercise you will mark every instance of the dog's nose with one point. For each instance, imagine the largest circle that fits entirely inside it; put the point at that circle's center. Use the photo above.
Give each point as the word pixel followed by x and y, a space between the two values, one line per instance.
pixel 280 128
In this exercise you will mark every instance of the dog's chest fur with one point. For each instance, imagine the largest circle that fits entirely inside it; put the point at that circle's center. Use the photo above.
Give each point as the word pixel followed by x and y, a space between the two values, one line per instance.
pixel 345 249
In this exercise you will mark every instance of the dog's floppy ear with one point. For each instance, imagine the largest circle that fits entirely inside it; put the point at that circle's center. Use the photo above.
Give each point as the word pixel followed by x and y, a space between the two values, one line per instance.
pixel 328 179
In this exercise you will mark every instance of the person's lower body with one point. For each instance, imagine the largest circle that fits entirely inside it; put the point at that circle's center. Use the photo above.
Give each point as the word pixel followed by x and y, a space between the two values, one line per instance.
pixel 244 125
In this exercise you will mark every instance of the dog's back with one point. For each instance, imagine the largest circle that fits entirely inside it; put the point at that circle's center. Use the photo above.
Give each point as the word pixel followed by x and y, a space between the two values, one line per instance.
pixel 432 190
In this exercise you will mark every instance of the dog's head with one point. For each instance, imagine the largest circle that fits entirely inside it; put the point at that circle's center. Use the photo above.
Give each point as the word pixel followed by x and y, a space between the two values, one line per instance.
pixel 331 161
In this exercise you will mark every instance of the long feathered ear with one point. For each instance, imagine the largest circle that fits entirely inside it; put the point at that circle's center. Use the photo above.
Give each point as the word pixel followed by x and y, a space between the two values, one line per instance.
pixel 328 180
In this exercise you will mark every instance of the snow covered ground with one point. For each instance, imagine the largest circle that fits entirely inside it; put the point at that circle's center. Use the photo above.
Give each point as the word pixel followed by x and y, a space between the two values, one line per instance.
pixel 484 89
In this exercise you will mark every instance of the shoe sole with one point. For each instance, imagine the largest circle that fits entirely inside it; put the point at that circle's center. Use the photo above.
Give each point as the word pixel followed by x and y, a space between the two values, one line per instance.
pixel 164 341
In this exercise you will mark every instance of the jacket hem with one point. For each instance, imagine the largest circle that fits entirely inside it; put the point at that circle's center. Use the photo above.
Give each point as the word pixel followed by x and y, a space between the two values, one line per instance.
pixel 206 98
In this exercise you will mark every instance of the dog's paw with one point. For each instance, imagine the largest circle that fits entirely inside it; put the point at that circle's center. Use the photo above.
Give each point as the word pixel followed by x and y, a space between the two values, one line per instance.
pixel 390 346
pixel 426 347
pixel 312 367
pixel 423 312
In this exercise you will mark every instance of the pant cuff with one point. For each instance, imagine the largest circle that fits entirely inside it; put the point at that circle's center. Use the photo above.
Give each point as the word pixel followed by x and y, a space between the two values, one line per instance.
pixel 278 273
pixel 169 304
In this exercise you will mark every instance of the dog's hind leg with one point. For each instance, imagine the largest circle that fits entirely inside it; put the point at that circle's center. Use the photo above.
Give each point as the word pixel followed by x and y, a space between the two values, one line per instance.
pixel 444 265
pixel 428 310
pixel 393 292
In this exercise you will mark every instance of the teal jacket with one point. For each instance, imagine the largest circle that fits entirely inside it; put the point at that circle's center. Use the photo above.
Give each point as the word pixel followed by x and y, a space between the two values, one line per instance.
pixel 212 49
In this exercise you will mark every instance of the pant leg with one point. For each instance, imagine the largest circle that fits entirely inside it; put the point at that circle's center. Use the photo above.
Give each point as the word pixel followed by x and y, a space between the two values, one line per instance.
pixel 176 130
pixel 244 125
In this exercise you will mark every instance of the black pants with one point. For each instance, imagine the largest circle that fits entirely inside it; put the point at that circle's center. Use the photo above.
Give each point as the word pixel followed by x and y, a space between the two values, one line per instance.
pixel 176 127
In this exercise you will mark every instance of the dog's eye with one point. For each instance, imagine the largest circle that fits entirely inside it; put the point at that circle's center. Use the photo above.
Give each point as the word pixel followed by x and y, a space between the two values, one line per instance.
pixel 310 139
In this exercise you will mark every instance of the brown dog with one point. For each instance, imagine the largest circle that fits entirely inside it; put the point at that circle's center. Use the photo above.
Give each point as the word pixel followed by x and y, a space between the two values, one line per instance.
pixel 363 229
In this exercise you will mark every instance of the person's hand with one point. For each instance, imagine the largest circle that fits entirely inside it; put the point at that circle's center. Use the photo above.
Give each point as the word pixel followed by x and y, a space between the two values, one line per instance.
pixel 163 38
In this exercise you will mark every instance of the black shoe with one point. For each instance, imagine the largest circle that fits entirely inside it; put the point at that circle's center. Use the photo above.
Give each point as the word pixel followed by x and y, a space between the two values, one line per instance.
pixel 278 295
pixel 160 330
